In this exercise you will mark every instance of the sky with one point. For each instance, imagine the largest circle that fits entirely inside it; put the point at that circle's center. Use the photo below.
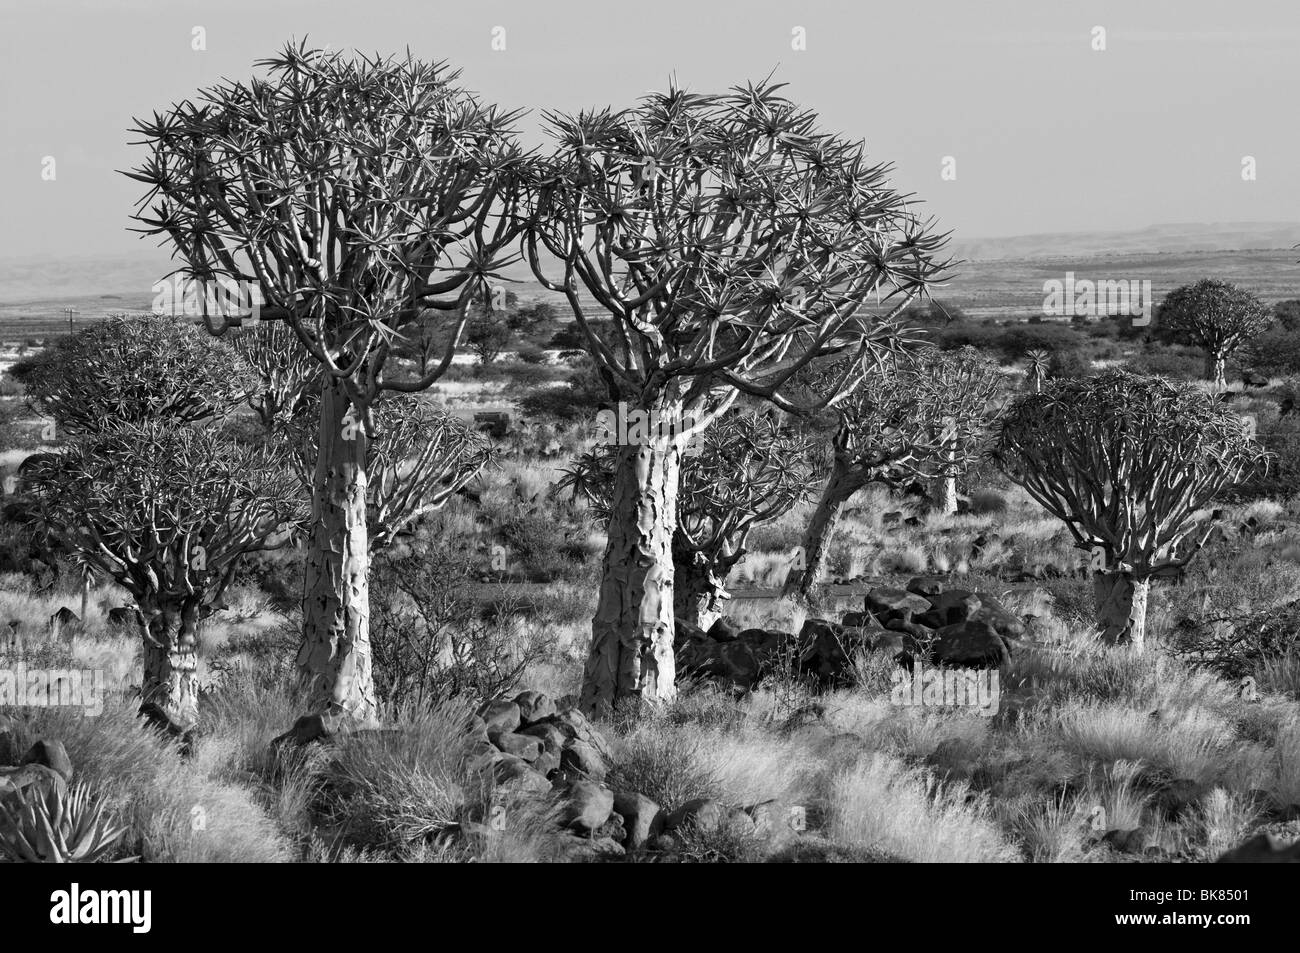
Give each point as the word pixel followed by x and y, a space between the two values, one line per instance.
pixel 1044 132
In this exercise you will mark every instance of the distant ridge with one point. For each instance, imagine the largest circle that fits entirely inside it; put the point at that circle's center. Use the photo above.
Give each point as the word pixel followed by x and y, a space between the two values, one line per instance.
pixel 1174 238
pixel 131 276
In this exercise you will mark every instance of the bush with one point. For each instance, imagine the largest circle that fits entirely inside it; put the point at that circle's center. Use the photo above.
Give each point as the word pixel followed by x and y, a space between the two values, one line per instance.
pixel 1176 363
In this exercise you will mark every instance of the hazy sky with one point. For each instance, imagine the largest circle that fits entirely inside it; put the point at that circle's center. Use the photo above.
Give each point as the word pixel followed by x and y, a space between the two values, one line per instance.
pixel 1047 134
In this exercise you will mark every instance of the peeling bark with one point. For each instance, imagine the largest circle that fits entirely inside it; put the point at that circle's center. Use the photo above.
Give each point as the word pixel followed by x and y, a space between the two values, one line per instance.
pixel 1121 608
pixel 631 655
pixel 1216 369
pixel 334 660
pixel 944 494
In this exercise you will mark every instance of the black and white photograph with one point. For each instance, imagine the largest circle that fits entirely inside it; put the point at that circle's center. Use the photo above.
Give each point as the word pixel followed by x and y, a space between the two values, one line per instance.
pixel 684 433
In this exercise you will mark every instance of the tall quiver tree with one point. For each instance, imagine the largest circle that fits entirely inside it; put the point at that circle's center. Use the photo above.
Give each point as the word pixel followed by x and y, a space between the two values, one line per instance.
pixel 729 242
pixel 1125 462
pixel 354 193
pixel 749 470
pixel 924 415
pixel 1215 316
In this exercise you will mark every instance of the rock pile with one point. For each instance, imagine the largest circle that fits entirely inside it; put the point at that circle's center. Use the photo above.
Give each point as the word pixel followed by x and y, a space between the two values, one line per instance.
pixel 531 745
pixel 926 621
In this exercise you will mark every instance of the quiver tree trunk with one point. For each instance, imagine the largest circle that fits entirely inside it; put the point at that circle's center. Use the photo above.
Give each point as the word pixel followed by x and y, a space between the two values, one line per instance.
pixel 1216 369
pixel 843 483
pixel 334 660
pixel 1121 607
pixel 943 494
pixel 170 690
pixel 631 655
pixel 698 589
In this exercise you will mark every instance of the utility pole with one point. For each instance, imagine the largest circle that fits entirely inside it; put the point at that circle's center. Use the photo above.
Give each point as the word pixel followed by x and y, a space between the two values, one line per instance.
pixel 70 312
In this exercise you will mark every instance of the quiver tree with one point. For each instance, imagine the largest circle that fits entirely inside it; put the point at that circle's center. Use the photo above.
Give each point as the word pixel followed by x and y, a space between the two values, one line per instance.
pixel 166 510
pixel 1037 364
pixel 924 415
pixel 1217 317
pixel 356 194
pixel 729 242
pixel 749 470
pixel 1125 462
pixel 137 368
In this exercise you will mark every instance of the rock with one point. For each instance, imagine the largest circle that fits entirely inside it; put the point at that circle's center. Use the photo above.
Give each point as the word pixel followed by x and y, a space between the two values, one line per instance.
pixel 125 615
pixel 701 814
pixel 723 630
pixel 52 754
pixel 893 643
pixel 516 775
pixel 1262 849
pixel 8 740
pixel 860 620
pixel 927 586
pixel 521 746
pixel 1127 842
pixel 584 805
pixel 969 645
pixel 892 518
pixel 534 707
pixel 643 819
pixel 476 729
pixel 666 842
pixel 741 821
pixel 948 608
pixel 64 617
pixel 733 662
pixel 580 757
pixel 549 733
pixel 500 716
pixel 308 729
pixel 997 615
pixel 828 650
pixel 548 762
pixel 613 829
pixel 32 778
pixel 685 633
pixel 1174 798
pixel 590 850
pixel 575 725
pixel 894 604
pixel 482 755
pixel 763 815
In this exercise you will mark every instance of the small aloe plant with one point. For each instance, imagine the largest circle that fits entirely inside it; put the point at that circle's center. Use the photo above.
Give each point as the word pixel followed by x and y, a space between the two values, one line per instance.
pixel 55 827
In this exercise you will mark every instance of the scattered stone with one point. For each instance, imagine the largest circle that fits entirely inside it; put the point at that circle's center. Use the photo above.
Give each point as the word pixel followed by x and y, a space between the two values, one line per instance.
pixel 1133 841
pixel 51 754
pixel 889 604
pixel 534 707
pixel 701 814
pixel 723 630
pixel 585 805
pixel 517 776
pixel 584 759
pixel 643 819
pixel 500 716
pixel 32 778
pixel 1264 848
pixel 969 645
pixel 949 608
pixel 521 746
pixel 927 586
pixel 125 615
pixel 549 733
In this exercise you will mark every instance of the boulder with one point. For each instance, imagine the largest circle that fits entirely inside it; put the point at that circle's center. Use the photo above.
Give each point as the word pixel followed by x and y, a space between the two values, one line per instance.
pixel 525 747
pixel 969 645
pixel 948 608
pixel 575 725
pixel 309 729
pixel 124 615
pixel 927 586
pixel 1263 848
pixel 701 814
pixel 895 604
pixel 995 614
pixel 534 707
pixel 828 650
pixel 549 733
pixel 32 779
pixel 51 754
pixel 500 716
pixel 517 775
pixel 63 617
pixel 723 630
pixel 8 740
pixel 733 662
pixel 584 805
pixel 860 620
pixel 584 759
pixel 643 819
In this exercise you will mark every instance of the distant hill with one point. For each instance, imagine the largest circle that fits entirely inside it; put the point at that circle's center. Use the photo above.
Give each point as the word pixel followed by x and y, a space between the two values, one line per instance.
pixel 1154 239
